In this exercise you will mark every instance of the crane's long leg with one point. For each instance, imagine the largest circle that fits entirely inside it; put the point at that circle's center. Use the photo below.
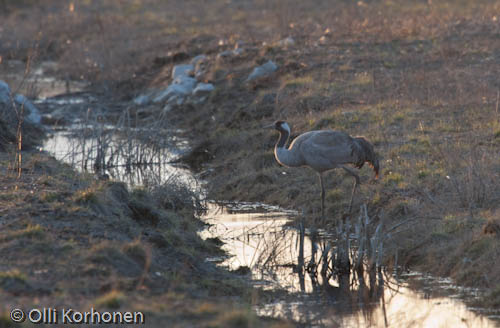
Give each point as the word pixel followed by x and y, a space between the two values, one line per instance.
pixel 356 182
pixel 322 195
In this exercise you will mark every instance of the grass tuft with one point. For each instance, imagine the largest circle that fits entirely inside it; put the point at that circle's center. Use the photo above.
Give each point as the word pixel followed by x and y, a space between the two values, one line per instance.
pixel 112 300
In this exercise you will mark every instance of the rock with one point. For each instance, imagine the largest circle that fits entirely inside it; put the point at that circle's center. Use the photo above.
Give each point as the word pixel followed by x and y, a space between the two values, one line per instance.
pixel 32 130
pixel 32 114
pixel 203 89
pixel 238 51
pixel 287 42
pixel 230 53
pixel 171 90
pixel 200 63
pixel 225 54
pixel 180 70
pixel 198 59
pixel 187 82
pixel 181 87
pixel 176 99
pixel 4 93
pixel 262 71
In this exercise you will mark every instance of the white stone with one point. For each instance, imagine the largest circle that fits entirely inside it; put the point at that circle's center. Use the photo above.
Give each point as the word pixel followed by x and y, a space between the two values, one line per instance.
pixel 287 42
pixel 262 70
pixel 225 54
pixel 181 87
pixel 183 69
pixel 168 92
pixel 238 51
pixel 203 88
pixel 32 113
pixel 198 59
pixel 187 82
pixel 201 64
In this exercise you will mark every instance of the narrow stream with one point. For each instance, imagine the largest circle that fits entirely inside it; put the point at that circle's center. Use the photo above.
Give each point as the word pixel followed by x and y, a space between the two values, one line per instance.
pixel 260 242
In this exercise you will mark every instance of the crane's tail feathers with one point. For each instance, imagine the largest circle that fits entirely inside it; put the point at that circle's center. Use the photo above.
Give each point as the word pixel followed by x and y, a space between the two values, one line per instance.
pixel 375 167
pixel 369 155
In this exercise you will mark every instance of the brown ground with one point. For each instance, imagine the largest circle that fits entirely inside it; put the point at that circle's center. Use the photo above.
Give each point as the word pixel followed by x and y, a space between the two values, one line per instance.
pixel 418 79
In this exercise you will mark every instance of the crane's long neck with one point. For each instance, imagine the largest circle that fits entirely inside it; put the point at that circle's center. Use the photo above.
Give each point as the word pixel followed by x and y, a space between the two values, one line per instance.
pixel 287 157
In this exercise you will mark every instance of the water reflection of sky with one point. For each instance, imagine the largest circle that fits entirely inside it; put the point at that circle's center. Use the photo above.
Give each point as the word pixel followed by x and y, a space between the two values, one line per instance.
pixel 259 241
pixel 81 153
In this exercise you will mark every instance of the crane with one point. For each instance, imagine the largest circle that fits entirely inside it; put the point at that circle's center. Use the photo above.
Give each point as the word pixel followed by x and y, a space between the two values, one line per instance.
pixel 324 150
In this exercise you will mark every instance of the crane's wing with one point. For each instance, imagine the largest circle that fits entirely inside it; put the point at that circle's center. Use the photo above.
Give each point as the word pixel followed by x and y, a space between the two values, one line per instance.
pixel 326 149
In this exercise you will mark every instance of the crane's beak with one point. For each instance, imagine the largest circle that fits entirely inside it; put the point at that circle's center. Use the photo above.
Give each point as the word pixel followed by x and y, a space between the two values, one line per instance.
pixel 270 126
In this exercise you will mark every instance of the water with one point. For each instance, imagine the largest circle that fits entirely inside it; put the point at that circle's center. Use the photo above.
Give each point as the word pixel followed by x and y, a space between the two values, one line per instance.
pixel 143 166
pixel 262 241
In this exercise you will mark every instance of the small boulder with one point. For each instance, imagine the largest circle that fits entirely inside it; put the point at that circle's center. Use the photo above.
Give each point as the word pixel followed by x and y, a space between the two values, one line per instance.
pixel 238 51
pixel 198 59
pixel 201 64
pixel 32 114
pixel 203 89
pixel 225 54
pixel 170 91
pixel 187 82
pixel 183 69
pixel 262 71
pixel 287 42
pixel 181 87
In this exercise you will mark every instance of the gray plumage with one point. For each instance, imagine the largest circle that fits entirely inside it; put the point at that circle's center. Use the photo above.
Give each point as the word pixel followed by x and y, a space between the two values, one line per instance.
pixel 324 150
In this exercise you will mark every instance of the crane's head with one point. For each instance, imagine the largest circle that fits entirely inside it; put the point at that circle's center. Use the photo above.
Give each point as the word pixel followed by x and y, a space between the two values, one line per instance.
pixel 281 126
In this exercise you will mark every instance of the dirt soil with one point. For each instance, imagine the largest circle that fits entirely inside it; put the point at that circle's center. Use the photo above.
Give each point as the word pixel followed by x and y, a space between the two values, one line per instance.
pixel 417 79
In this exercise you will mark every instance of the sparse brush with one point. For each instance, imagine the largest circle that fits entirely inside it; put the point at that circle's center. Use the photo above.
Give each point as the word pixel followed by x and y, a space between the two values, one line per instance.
pixel 176 194
pixel 471 176
pixel 34 231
